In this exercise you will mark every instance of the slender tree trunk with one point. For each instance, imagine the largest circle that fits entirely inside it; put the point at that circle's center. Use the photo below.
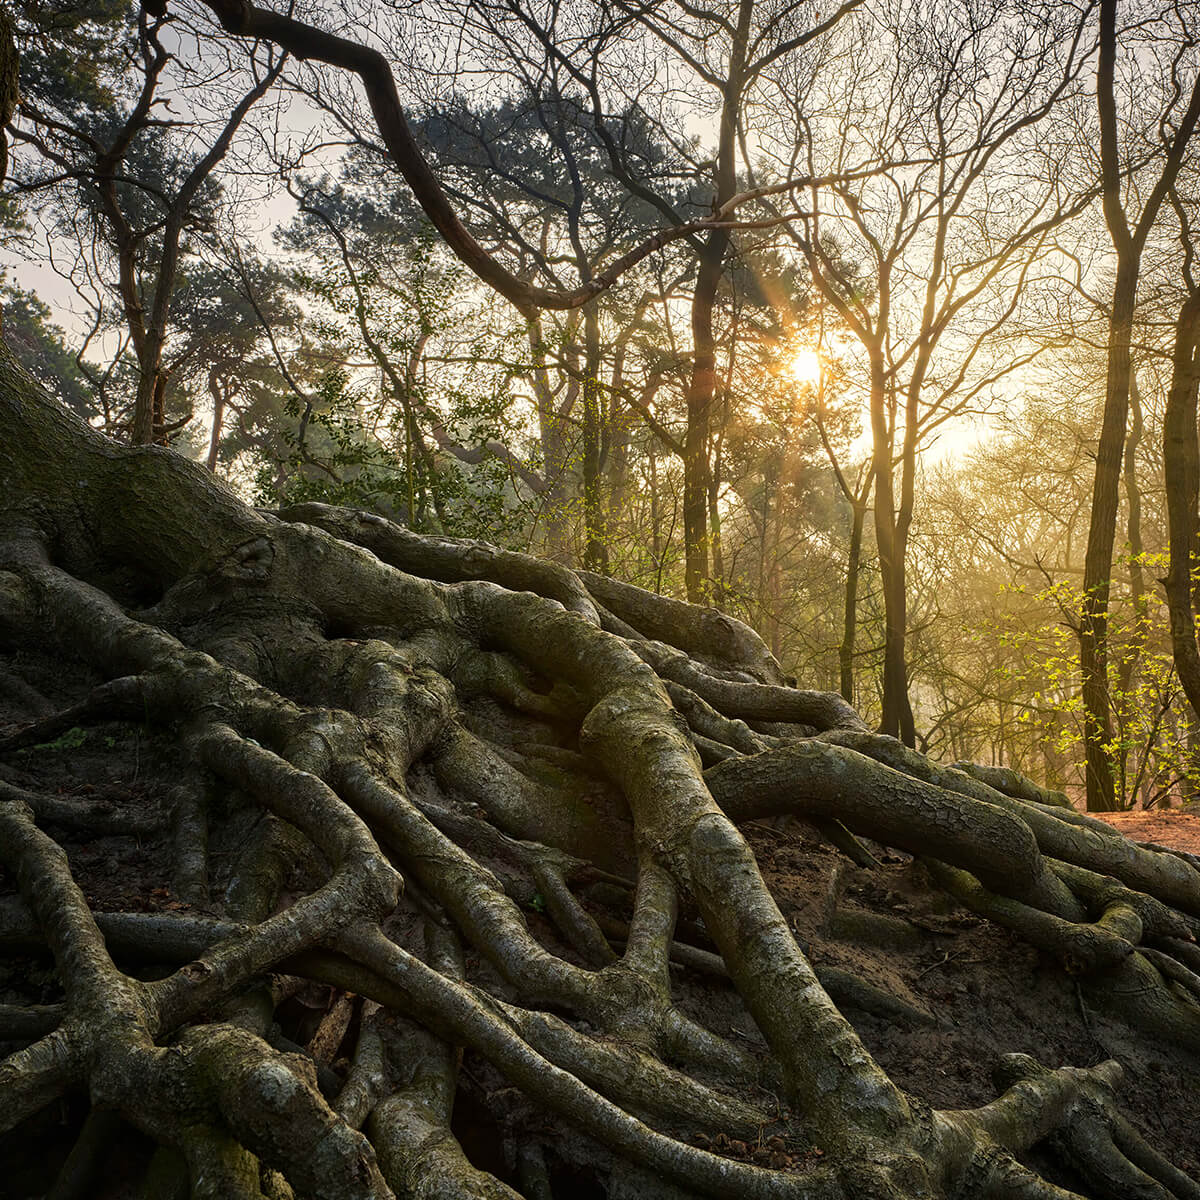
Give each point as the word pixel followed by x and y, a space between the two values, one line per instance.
pixel 8 85
pixel 214 439
pixel 897 712
pixel 850 616
pixel 775 600
pixel 763 560
pixel 714 520
pixel 616 467
pixel 1131 654
pixel 656 547
pixel 552 432
pixel 1093 630
pixel 1133 523
pixel 615 442
pixel 1097 566
pixel 701 387
pixel 897 719
pixel 1182 465
pixel 595 554
pixel 703 383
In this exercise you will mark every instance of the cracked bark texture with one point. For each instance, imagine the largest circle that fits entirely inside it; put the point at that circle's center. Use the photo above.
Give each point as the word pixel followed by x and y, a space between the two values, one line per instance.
pixel 428 741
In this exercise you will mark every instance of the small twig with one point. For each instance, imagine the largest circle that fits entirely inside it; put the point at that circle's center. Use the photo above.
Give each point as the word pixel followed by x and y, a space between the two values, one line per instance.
pixel 949 956
pixel 1087 1022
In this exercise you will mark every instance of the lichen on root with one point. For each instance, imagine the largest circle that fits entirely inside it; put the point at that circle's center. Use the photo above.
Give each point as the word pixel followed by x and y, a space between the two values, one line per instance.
pixel 468 791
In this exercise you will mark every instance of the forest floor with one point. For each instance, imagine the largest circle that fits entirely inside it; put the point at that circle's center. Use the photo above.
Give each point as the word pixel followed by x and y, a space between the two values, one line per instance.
pixel 989 990
pixel 985 991
pixel 1174 828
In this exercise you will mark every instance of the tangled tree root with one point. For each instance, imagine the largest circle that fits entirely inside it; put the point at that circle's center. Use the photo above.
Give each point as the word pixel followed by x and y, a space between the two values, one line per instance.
pixel 439 739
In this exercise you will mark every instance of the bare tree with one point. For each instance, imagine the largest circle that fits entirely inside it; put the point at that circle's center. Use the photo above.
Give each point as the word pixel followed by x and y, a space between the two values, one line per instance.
pixel 722 51
pixel 145 180
pixel 1143 163
pixel 925 265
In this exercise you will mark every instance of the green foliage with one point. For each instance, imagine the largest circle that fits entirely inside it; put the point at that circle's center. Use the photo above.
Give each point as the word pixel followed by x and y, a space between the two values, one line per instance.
pixel 410 377
pixel 71 740
pixel 72 54
pixel 42 349
pixel 1150 747
pixel 354 455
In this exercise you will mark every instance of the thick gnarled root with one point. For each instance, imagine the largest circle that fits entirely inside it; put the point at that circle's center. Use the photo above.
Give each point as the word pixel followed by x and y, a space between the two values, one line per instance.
pixel 469 791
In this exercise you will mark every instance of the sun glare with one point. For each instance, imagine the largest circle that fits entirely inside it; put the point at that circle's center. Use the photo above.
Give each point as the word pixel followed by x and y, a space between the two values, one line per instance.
pixel 805 367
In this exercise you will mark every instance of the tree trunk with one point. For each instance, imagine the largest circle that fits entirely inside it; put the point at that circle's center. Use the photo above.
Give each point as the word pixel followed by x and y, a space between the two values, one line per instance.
pixel 218 419
pixel 9 89
pixel 714 524
pixel 850 610
pixel 595 555
pixel 1132 652
pixel 700 392
pixel 1097 563
pixel 555 441
pixel 897 718
pixel 1181 461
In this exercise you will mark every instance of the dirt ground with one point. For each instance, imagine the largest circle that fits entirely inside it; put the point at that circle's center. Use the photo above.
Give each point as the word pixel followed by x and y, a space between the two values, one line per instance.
pixel 972 991
pixel 990 992
pixel 1172 827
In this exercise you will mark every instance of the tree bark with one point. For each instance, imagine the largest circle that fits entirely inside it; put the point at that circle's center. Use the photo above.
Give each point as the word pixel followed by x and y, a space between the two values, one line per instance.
pixel 595 555
pixel 890 538
pixel 702 386
pixel 1097 563
pixel 1181 461
pixel 9 89
pixel 700 392
pixel 218 418
pixel 850 609
pixel 553 433
pixel 1132 779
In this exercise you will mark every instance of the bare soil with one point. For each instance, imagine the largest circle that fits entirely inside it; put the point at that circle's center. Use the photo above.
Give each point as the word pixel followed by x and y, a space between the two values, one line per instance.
pixel 991 992
pixel 1176 828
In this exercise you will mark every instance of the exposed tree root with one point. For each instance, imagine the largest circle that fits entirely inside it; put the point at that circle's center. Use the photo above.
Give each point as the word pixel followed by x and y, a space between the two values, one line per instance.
pixel 485 819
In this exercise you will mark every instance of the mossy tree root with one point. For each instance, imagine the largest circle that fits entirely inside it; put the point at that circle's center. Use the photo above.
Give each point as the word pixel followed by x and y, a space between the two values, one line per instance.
pixel 457 768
